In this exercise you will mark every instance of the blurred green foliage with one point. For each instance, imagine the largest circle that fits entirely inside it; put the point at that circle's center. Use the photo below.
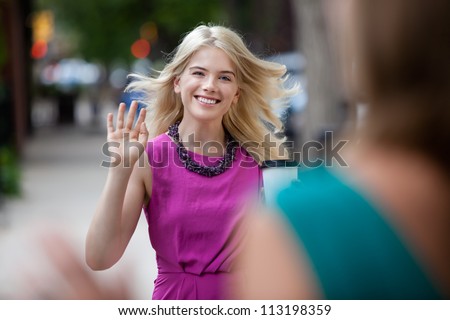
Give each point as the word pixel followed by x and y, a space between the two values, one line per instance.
pixel 9 172
pixel 104 30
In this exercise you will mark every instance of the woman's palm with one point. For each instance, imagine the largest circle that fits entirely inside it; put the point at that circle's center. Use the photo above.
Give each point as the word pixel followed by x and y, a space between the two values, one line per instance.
pixel 125 140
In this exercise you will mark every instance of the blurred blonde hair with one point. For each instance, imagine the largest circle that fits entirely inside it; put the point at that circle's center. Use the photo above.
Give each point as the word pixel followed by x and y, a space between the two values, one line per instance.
pixel 260 83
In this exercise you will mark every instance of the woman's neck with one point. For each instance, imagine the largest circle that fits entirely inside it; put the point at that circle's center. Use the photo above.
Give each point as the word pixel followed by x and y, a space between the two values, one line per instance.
pixel 206 138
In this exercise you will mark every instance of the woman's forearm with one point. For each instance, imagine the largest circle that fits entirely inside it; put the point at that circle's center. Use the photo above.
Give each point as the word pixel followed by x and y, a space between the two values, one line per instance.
pixel 105 243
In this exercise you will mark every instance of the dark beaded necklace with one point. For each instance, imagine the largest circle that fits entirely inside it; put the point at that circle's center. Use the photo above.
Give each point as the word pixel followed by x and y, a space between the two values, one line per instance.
pixel 193 166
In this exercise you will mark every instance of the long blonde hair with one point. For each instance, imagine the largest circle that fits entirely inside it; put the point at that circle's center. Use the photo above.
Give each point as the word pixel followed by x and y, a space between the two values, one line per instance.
pixel 260 83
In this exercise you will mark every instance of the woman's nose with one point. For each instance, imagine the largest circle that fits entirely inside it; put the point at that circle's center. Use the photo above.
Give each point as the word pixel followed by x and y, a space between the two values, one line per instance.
pixel 209 84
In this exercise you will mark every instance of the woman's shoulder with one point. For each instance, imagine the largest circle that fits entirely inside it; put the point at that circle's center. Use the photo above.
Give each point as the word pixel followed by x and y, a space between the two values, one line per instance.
pixel 328 211
pixel 247 156
pixel 158 141
pixel 160 138
pixel 320 189
pixel 158 145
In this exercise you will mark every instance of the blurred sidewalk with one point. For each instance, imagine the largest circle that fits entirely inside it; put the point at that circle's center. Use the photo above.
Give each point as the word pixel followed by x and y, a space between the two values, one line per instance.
pixel 61 183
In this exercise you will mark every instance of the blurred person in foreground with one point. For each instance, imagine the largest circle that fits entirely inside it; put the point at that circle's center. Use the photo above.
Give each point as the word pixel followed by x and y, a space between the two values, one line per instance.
pixel 380 228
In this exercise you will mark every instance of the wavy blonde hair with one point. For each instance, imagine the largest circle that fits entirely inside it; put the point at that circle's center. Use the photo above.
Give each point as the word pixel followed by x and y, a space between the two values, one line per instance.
pixel 260 83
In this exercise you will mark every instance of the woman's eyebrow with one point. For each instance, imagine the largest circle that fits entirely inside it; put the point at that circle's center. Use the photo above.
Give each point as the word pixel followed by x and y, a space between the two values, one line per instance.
pixel 204 69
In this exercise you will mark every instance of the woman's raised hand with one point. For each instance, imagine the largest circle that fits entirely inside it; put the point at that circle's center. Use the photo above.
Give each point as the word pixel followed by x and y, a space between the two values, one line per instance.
pixel 125 142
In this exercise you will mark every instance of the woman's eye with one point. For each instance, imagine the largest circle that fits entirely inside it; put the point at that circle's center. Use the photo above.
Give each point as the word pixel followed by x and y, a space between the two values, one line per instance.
pixel 226 78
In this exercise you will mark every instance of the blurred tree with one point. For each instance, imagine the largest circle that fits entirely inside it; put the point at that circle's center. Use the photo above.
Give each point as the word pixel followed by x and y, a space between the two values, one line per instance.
pixel 15 77
pixel 175 18
pixel 267 25
pixel 104 30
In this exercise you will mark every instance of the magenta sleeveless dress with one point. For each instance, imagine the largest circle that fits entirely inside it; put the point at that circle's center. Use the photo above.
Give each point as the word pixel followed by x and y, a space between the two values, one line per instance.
pixel 192 221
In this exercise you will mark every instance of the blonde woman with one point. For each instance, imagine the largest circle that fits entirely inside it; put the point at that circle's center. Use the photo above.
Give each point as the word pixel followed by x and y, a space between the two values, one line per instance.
pixel 207 111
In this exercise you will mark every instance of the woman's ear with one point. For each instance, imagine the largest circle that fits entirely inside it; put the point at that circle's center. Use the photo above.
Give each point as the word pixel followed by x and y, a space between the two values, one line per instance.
pixel 236 96
pixel 176 84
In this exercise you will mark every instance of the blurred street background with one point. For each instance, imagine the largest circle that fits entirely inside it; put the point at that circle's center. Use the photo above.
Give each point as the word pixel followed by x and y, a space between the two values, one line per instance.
pixel 63 67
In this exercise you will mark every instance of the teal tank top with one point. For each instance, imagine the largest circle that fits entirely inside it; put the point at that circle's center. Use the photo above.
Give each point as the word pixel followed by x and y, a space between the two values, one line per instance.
pixel 355 253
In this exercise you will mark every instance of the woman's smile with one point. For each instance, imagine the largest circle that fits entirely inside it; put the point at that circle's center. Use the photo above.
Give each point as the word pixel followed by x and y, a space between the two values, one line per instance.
pixel 207 101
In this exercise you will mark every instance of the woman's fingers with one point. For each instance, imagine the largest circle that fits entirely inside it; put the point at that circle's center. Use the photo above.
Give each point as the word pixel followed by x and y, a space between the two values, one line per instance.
pixel 109 123
pixel 140 125
pixel 120 128
pixel 140 119
pixel 131 115
pixel 120 116
pixel 143 134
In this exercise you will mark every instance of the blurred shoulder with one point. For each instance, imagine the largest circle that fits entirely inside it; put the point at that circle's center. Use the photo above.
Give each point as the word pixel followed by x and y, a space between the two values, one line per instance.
pixel 273 261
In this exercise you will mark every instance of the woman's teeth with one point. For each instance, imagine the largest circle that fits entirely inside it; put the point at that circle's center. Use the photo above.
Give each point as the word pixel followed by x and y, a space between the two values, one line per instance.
pixel 207 101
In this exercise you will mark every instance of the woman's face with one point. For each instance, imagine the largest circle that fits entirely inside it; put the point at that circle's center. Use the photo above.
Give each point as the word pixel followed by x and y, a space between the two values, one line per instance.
pixel 208 85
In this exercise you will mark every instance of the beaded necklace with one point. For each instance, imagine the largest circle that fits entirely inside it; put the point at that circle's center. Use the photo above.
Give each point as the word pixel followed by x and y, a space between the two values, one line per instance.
pixel 191 165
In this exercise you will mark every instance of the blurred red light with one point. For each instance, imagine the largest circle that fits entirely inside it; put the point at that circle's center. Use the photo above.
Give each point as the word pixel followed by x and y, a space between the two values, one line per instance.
pixel 39 49
pixel 140 48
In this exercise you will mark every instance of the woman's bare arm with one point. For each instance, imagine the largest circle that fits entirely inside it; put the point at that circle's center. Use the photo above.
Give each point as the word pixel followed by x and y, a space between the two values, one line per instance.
pixel 121 201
